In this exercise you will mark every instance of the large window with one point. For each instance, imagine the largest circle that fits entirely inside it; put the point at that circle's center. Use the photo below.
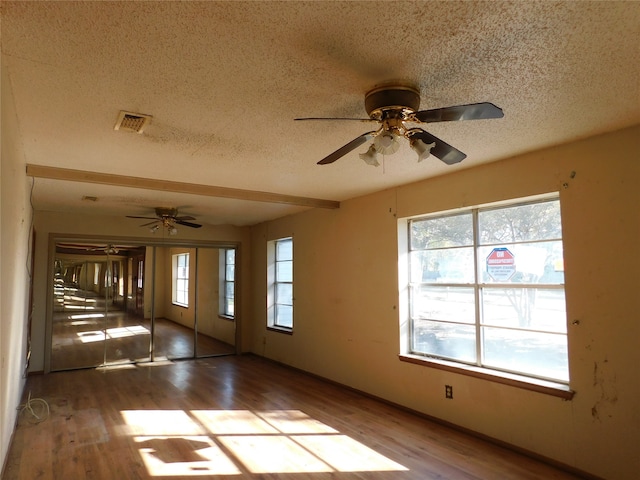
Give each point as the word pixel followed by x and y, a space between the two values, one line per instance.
pixel 180 290
pixel 280 281
pixel 228 257
pixel 486 288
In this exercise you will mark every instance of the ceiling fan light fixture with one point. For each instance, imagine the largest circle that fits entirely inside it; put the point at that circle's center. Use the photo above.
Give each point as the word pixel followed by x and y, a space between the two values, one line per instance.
pixel 370 157
pixel 154 229
pixel 422 149
pixel 173 230
pixel 386 143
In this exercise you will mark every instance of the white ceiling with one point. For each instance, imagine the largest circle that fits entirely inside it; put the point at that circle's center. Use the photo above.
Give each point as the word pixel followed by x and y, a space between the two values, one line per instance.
pixel 224 81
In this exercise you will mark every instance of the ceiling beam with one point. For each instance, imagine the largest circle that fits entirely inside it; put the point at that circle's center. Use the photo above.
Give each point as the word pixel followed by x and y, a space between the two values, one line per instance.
pixel 83 176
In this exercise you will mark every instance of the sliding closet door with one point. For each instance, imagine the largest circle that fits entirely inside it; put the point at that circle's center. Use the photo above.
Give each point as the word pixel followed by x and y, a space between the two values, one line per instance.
pixel 127 331
pixel 175 304
pixel 215 302
pixel 78 313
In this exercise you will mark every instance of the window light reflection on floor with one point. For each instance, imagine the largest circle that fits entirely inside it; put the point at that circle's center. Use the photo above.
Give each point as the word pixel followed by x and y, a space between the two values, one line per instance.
pixel 117 332
pixel 229 442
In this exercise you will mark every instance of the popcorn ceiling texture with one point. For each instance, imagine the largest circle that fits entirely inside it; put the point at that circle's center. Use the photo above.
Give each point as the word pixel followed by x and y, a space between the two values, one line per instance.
pixel 224 80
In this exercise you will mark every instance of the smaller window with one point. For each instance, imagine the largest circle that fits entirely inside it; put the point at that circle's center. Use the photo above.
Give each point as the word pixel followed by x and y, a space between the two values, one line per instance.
pixel 181 279
pixel 280 298
pixel 227 284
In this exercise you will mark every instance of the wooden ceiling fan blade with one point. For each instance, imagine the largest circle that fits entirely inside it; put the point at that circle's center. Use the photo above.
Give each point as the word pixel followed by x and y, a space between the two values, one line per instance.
pixel 338 118
pixel 186 217
pixel 342 151
pixel 146 218
pixel 150 223
pixel 474 111
pixel 442 150
pixel 188 224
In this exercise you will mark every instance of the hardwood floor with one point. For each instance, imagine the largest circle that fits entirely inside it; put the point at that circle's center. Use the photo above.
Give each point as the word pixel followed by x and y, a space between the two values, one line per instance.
pixel 238 417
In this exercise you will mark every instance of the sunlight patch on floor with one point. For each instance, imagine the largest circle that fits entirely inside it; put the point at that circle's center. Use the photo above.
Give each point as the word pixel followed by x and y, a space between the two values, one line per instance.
pixel 229 442
pixel 111 333
pixel 184 456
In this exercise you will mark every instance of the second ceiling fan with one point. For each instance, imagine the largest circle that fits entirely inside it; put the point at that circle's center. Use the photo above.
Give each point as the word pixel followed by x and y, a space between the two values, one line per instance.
pixel 167 218
pixel 395 108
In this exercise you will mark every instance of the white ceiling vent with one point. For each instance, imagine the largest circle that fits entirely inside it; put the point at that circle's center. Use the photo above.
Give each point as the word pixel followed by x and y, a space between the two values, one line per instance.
pixel 132 122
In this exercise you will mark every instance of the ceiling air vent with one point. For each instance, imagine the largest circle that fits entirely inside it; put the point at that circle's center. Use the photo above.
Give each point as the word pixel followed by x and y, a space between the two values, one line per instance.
pixel 132 122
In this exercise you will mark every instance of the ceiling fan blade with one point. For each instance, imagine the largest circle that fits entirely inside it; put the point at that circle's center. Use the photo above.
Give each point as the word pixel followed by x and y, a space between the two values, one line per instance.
pixel 445 152
pixel 342 151
pixel 338 118
pixel 474 111
pixel 150 223
pixel 146 218
pixel 188 224
pixel 186 217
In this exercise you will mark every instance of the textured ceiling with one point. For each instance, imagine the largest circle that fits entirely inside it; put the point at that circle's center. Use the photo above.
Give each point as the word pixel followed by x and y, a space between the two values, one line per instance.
pixel 224 81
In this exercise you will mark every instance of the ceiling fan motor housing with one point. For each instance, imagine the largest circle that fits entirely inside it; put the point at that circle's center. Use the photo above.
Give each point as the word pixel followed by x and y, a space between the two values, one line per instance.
pixel 166 212
pixel 399 100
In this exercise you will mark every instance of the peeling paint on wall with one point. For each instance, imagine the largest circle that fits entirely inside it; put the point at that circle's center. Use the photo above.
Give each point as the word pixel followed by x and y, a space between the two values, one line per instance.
pixel 604 382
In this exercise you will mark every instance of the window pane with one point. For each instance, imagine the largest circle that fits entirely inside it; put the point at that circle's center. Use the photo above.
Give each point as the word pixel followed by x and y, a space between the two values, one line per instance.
pixel 230 272
pixel 230 255
pixel 448 340
pixel 284 271
pixel 541 354
pixel 441 232
pixel 530 263
pixel 284 293
pixel 443 303
pixel 531 308
pixel 284 316
pixel 453 265
pixel 537 221
pixel 284 250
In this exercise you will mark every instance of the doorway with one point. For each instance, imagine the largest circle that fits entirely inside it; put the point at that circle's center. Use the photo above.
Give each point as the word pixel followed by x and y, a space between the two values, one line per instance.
pixel 121 303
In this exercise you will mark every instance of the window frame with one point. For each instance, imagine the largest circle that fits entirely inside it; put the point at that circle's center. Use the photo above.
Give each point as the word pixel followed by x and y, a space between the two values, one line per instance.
pixel 225 300
pixel 273 284
pixel 476 368
pixel 178 293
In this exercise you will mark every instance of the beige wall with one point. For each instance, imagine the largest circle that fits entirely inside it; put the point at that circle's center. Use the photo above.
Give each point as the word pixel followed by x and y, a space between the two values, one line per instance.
pixel 15 258
pixel 346 302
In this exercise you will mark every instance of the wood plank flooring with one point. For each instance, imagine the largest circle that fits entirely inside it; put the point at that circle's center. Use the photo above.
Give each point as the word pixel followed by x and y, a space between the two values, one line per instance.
pixel 238 417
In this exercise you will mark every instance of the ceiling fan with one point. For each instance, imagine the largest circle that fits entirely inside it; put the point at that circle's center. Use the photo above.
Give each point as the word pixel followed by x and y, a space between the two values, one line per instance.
pixel 395 108
pixel 167 218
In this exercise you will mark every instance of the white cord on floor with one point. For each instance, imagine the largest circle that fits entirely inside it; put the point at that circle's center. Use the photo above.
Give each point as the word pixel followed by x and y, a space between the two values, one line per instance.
pixel 40 405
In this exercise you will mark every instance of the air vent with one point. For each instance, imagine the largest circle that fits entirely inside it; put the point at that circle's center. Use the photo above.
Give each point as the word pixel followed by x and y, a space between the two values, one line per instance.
pixel 132 122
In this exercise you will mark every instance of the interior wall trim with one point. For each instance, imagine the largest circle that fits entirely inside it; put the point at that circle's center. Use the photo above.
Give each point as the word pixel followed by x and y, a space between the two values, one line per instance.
pixel 84 176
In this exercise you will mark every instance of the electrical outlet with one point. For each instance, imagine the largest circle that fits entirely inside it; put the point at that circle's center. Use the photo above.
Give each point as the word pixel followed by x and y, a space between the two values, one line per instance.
pixel 448 391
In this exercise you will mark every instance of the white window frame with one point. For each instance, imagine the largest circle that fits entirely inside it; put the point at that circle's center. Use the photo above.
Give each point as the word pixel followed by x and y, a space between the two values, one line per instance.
pixel 180 280
pixel 477 367
pixel 278 311
pixel 227 279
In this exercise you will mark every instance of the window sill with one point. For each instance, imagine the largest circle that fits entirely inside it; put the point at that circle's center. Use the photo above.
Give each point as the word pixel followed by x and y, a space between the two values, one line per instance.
pixel 518 381
pixel 182 305
pixel 226 317
pixel 285 330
